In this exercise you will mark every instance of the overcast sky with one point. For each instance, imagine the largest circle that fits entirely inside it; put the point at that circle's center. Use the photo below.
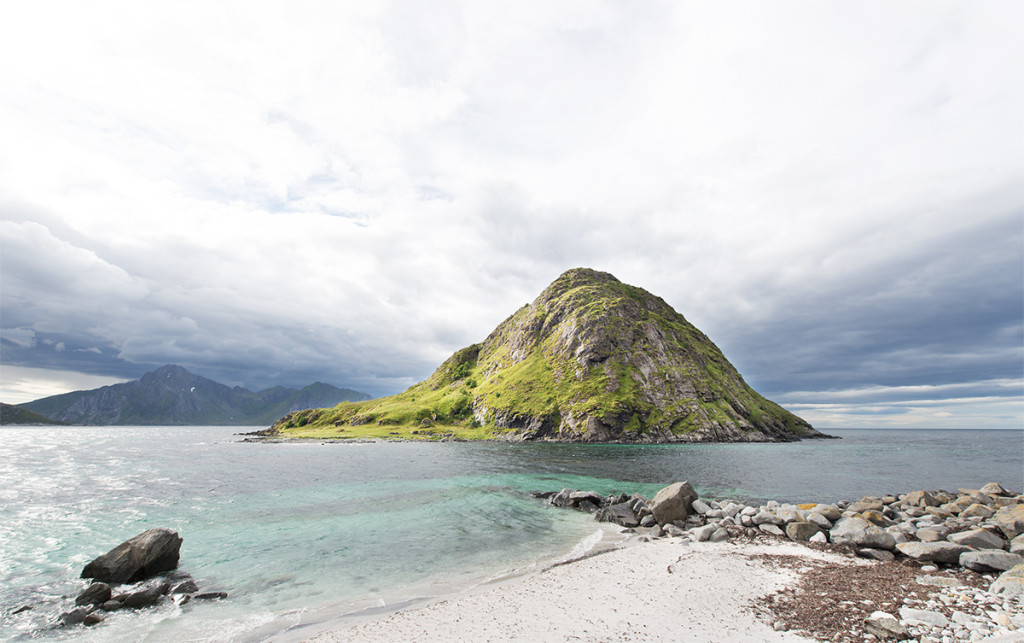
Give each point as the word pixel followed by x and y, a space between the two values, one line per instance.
pixel 283 192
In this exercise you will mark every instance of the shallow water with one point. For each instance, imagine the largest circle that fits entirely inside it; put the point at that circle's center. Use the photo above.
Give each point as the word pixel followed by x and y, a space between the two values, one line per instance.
pixel 302 531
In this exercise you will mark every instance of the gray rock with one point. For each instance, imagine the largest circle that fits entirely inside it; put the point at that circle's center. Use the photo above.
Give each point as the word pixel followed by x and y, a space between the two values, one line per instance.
pixel 1009 583
pixel 211 596
pixel 620 514
pixel 656 531
pixel 185 587
pixel 977 510
pixel 701 534
pixel 138 558
pixel 111 606
pixel 766 517
pixel 990 560
pixel 860 532
pixel 885 626
pixel 74 617
pixel 994 489
pixel 912 616
pixel 648 521
pixel 1017 545
pixel 922 499
pixel 576 497
pixel 820 520
pixel 801 530
pixel 94 594
pixel 829 511
pixel 673 502
pixel 700 507
pixel 1010 520
pixel 866 504
pixel 148 595
pixel 819 537
pixel 876 554
pixel 944 552
pixel 721 534
pixel 940 581
pixel 769 528
pixel 563 499
pixel 977 538
pixel 674 530
pixel 930 535
pixel 92 618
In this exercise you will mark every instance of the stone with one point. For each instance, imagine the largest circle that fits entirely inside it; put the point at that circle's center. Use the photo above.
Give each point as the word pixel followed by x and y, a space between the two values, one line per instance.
pixel 93 618
pixel 912 616
pixel 185 587
pixel 885 626
pixel 94 594
pixel 656 531
pixel 648 521
pixel 1017 545
pixel 876 554
pixel 620 514
pixel 829 511
pixel 673 502
pixel 977 510
pixel 111 606
pixel 701 534
pixel 1009 583
pixel 562 499
pixel 819 519
pixel 990 560
pixel 765 517
pixel 977 538
pixel 866 504
pixel 674 530
pixel 876 518
pixel 930 535
pixel 146 596
pixel 576 497
pixel 940 581
pixel 860 532
pixel 211 596
pixel 994 489
pixel 74 617
pixel 769 528
pixel 819 537
pixel 801 530
pixel 1010 520
pixel 922 499
pixel 942 552
pixel 700 507
pixel 721 534
pixel 136 559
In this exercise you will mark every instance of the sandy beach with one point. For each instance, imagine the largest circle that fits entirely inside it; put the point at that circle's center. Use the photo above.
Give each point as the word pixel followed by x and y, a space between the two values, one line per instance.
pixel 657 591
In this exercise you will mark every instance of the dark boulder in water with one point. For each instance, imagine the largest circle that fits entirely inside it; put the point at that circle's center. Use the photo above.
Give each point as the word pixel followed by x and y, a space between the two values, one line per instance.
pixel 137 559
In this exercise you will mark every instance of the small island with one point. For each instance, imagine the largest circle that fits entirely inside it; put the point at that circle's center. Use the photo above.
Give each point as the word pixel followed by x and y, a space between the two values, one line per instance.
pixel 590 360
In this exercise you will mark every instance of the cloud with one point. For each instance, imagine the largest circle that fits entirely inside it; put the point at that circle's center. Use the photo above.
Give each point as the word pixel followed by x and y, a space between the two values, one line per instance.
pixel 272 194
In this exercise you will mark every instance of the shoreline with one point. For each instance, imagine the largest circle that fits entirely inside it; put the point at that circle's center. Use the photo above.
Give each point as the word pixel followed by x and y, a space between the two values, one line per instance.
pixel 726 573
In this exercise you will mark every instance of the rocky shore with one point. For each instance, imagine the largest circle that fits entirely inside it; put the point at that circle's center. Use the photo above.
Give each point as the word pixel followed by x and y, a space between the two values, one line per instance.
pixel 935 566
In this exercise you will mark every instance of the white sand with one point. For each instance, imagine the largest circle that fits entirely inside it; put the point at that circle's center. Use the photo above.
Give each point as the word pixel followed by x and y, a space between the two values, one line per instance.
pixel 657 591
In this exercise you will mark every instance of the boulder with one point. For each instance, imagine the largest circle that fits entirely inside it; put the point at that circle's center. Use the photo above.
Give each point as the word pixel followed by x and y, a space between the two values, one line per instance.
pixel 139 558
pixel 860 532
pixel 1009 583
pixel 819 519
pixel 1017 545
pixel 211 596
pixel 877 518
pixel 185 587
pixel 866 504
pixel 620 514
pixel 700 534
pixel 111 606
pixel 978 539
pixel 769 528
pixel 672 503
pixel 928 535
pixel 1010 520
pixel 801 530
pixel 146 596
pixel 819 537
pixel 700 507
pixel 995 489
pixel 74 617
pixel 765 517
pixel 562 498
pixel 829 511
pixel 922 499
pixel 990 560
pixel 912 616
pixel 885 626
pixel 943 552
pixel 94 594
pixel 93 618
pixel 876 554
pixel 977 510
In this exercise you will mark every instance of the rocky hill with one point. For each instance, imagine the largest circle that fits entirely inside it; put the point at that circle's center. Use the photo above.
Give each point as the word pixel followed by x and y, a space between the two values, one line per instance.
pixel 591 359
pixel 13 414
pixel 171 395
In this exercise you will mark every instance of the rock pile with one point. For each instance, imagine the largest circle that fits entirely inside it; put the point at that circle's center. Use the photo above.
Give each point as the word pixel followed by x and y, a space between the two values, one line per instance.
pixel 981 530
pixel 136 574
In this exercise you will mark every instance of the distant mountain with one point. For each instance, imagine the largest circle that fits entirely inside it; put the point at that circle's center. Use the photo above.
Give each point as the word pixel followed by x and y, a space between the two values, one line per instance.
pixel 13 414
pixel 171 395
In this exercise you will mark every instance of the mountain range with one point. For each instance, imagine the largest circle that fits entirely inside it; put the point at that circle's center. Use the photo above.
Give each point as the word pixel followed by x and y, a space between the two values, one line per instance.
pixel 591 359
pixel 171 395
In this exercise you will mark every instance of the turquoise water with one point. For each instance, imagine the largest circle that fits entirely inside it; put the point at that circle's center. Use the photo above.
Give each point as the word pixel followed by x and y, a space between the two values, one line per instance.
pixel 299 532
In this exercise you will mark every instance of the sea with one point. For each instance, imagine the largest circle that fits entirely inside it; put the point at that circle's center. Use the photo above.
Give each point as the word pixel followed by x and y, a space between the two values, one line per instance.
pixel 303 534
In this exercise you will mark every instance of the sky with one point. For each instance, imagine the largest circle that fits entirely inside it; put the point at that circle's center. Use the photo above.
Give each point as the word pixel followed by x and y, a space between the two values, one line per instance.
pixel 286 192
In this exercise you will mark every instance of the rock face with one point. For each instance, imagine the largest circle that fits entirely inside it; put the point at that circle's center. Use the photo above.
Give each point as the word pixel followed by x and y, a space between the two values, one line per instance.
pixel 590 360
pixel 139 558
